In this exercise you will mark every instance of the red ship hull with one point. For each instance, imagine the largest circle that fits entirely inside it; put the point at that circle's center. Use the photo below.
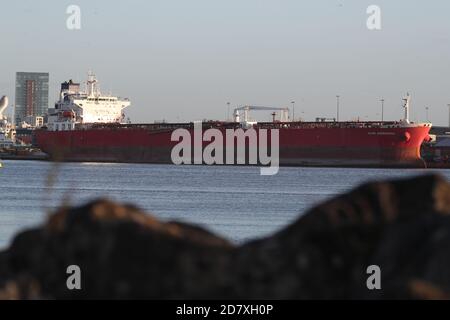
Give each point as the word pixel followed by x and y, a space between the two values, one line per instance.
pixel 303 144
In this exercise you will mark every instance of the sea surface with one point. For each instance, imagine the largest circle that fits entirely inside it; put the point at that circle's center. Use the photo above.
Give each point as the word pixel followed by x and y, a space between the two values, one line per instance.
pixel 235 202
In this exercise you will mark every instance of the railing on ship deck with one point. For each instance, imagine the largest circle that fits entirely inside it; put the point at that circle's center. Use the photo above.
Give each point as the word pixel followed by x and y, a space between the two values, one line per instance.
pixel 235 125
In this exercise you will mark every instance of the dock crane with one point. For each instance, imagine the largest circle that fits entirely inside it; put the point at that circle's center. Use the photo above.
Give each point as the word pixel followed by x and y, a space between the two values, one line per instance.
pixel 237 117
pixel 3 105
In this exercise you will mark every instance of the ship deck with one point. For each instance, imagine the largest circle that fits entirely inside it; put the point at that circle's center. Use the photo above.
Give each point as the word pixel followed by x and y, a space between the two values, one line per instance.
pixel 259 125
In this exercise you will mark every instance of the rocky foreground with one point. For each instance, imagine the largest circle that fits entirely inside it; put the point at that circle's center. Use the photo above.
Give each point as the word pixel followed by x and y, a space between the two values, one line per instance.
pixel 401 226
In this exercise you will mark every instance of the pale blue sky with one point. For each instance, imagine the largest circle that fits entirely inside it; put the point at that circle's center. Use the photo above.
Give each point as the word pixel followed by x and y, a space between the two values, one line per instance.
pixel 183 60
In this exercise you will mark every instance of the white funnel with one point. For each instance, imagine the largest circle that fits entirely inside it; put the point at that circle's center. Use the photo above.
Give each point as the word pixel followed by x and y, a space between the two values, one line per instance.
pixel 3 104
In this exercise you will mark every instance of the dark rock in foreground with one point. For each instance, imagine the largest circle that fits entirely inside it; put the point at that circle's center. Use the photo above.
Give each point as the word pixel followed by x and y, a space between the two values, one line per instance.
pixel 401 226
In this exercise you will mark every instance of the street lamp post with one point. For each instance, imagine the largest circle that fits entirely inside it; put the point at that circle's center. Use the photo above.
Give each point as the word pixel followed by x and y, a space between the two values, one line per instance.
pixel 293 111
pixel 448 114
pixel 337 107
pixel 228 112
pixel 382 110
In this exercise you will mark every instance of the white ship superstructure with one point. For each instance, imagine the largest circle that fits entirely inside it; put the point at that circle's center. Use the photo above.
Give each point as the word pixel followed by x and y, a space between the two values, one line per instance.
pixel 88 107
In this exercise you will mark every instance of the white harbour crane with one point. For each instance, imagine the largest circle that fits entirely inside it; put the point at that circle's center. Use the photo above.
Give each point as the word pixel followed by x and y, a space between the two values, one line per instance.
pixel 3 105
pixel 7 132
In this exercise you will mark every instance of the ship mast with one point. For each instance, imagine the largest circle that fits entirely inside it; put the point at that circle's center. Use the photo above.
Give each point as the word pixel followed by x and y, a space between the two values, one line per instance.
pixel 407 105
pixel 92 82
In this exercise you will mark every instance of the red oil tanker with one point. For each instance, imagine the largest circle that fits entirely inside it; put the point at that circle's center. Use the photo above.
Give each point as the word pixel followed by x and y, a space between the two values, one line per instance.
pixel 85 127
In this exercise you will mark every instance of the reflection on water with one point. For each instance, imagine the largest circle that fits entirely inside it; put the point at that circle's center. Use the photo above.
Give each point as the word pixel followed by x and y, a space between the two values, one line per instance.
pixel 236 202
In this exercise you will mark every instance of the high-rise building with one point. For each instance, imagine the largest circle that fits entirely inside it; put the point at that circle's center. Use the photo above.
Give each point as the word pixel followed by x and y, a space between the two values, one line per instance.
pixel 31 96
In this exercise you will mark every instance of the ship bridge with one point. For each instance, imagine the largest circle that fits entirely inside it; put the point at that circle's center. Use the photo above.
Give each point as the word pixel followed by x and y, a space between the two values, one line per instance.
pixel 90 106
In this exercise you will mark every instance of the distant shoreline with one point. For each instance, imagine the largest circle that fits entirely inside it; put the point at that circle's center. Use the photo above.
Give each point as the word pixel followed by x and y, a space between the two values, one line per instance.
pixel 25 158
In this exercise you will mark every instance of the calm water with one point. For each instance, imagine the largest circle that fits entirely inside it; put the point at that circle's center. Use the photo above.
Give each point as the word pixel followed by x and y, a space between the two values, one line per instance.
pixel 235 202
